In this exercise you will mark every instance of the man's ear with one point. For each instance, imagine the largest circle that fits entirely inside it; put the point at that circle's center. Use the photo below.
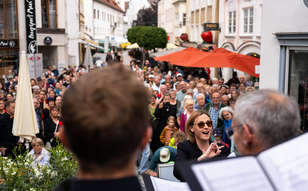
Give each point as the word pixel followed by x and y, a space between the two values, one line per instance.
pixel 62 137
pixel 146 138
pixel 247 135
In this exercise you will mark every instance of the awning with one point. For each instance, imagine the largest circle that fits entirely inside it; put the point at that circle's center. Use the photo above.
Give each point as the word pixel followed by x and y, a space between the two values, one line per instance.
pixel 218 58
pixel 91 43
pixel 165 52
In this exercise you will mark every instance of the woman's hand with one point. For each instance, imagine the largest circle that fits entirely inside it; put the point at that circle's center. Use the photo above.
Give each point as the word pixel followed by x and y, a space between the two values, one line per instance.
pixel 211 152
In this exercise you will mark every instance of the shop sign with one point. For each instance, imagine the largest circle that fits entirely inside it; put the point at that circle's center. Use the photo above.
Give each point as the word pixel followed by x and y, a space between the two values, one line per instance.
pixel 8 44
pixel 211 27
pixel 48 40
pixel 35 62
pixel 30 27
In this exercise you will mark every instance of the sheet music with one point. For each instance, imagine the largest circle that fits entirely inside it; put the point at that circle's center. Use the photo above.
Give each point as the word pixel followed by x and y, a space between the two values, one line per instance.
pixel 239 174
pixel 287 164
pixel 166 185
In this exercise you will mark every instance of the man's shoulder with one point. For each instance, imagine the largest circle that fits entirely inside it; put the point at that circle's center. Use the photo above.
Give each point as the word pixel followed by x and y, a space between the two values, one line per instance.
pixel 66 185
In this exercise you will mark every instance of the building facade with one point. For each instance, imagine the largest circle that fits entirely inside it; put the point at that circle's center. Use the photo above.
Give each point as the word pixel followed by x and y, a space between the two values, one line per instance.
pixel 166 18
pixel 199 13
pixel 9 35
pixel 240 22
pixel 49 20
pixel 284 50
pixel 108 22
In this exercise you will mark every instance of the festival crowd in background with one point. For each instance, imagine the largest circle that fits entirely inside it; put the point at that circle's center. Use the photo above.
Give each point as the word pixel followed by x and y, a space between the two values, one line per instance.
pixel 175 94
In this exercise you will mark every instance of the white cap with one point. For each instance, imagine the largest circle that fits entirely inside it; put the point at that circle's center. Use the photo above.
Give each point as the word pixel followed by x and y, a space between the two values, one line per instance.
pixel 164 155
pixel 179 74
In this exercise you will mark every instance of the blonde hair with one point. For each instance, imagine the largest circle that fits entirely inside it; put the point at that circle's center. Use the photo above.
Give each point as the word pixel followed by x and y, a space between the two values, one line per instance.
pixel 190 123
pixel 171 118
pixel 188 102
pixel 180 137
pixel 37 141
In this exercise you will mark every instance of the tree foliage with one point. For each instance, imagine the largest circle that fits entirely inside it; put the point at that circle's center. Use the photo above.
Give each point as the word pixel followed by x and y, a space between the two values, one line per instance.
pixel 148 16
pixel 132 34
pixel 148 37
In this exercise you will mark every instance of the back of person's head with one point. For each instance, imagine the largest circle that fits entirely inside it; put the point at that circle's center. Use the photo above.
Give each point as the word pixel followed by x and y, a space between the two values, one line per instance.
pixel 270 115
pixel 180 137
pixel 105 116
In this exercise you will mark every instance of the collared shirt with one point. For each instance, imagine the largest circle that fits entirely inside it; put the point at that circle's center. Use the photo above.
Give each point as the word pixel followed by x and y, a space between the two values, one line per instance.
pixel 214 113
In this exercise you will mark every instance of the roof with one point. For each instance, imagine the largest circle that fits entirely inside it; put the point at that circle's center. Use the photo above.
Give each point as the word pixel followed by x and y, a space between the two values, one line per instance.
pixel 111 4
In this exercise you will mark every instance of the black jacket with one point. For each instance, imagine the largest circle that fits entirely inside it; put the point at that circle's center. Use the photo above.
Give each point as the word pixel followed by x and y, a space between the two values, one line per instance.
pixel 128 184
pixel 188 151
pixel 6 136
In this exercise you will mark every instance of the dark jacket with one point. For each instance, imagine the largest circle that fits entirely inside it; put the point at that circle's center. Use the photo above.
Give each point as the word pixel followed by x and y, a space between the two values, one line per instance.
pixel 129 184
pixel 6 136
pixel 188 151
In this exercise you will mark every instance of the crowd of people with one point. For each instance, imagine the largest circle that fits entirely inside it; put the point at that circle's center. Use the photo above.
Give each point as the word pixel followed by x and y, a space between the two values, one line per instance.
pixel 47 93
pixel 176 94
pixel 174 113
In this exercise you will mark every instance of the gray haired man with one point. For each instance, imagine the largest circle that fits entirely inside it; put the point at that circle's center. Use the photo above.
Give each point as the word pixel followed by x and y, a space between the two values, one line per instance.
pixel 263 119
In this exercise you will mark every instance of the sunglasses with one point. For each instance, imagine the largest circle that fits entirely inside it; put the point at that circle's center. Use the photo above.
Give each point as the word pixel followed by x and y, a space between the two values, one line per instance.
pixel 202 124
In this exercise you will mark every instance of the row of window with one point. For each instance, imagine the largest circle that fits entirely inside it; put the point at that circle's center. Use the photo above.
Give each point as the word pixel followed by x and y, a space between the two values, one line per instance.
pixel 8 17
pixel 248 19
pixel 105 16
pixel 248 23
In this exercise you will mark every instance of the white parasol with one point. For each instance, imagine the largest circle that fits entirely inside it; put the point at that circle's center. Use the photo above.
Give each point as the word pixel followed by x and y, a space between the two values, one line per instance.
pixel 25 123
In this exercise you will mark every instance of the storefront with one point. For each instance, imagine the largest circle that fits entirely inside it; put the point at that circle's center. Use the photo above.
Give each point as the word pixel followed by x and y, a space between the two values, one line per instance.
pixel 9 45
pixel 284 50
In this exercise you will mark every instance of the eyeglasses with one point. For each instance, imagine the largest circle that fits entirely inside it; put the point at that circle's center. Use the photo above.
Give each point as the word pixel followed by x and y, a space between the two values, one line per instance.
pixel 202 124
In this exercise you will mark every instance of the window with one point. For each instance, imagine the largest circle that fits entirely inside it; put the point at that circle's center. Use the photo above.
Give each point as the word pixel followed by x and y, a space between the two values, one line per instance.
pixel 248 20
pixel 94 13
pixel 8 19
pixel 97 14
pixel 49 13
pixel 184 19
pixel 298 82
pixel 232 22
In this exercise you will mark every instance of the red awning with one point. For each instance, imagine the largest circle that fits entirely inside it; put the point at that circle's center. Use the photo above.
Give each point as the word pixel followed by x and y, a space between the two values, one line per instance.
pixel 218 58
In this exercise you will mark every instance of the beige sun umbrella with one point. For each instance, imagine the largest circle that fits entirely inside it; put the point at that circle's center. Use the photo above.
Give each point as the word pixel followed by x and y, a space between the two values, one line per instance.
pixel 171 46
pixel 135 45
pixel 25 123
pixel 88 60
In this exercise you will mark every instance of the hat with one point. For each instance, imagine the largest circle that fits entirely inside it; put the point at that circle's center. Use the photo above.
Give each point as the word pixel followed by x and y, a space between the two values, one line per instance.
pixel 164 155
pixel 36 87
pixel 217 133
pixel 179 74
pixel 151 76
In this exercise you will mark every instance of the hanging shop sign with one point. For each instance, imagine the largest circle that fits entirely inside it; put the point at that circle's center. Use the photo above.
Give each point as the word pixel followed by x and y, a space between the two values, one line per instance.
pixel 211 27
pixel 30 27
pixel 8 43
pixel 48 40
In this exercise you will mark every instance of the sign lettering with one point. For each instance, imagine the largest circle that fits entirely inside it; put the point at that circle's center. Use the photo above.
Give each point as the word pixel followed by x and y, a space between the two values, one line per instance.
pixel 31 27
pixel 211 27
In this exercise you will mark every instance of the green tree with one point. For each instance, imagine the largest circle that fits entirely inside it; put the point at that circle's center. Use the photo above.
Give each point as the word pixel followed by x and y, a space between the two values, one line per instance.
pixel 148 37
pixel 152 37
pixel 132 34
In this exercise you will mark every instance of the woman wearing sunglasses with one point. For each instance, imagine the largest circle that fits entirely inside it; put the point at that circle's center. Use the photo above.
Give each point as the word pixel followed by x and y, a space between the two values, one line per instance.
pixel 199 145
